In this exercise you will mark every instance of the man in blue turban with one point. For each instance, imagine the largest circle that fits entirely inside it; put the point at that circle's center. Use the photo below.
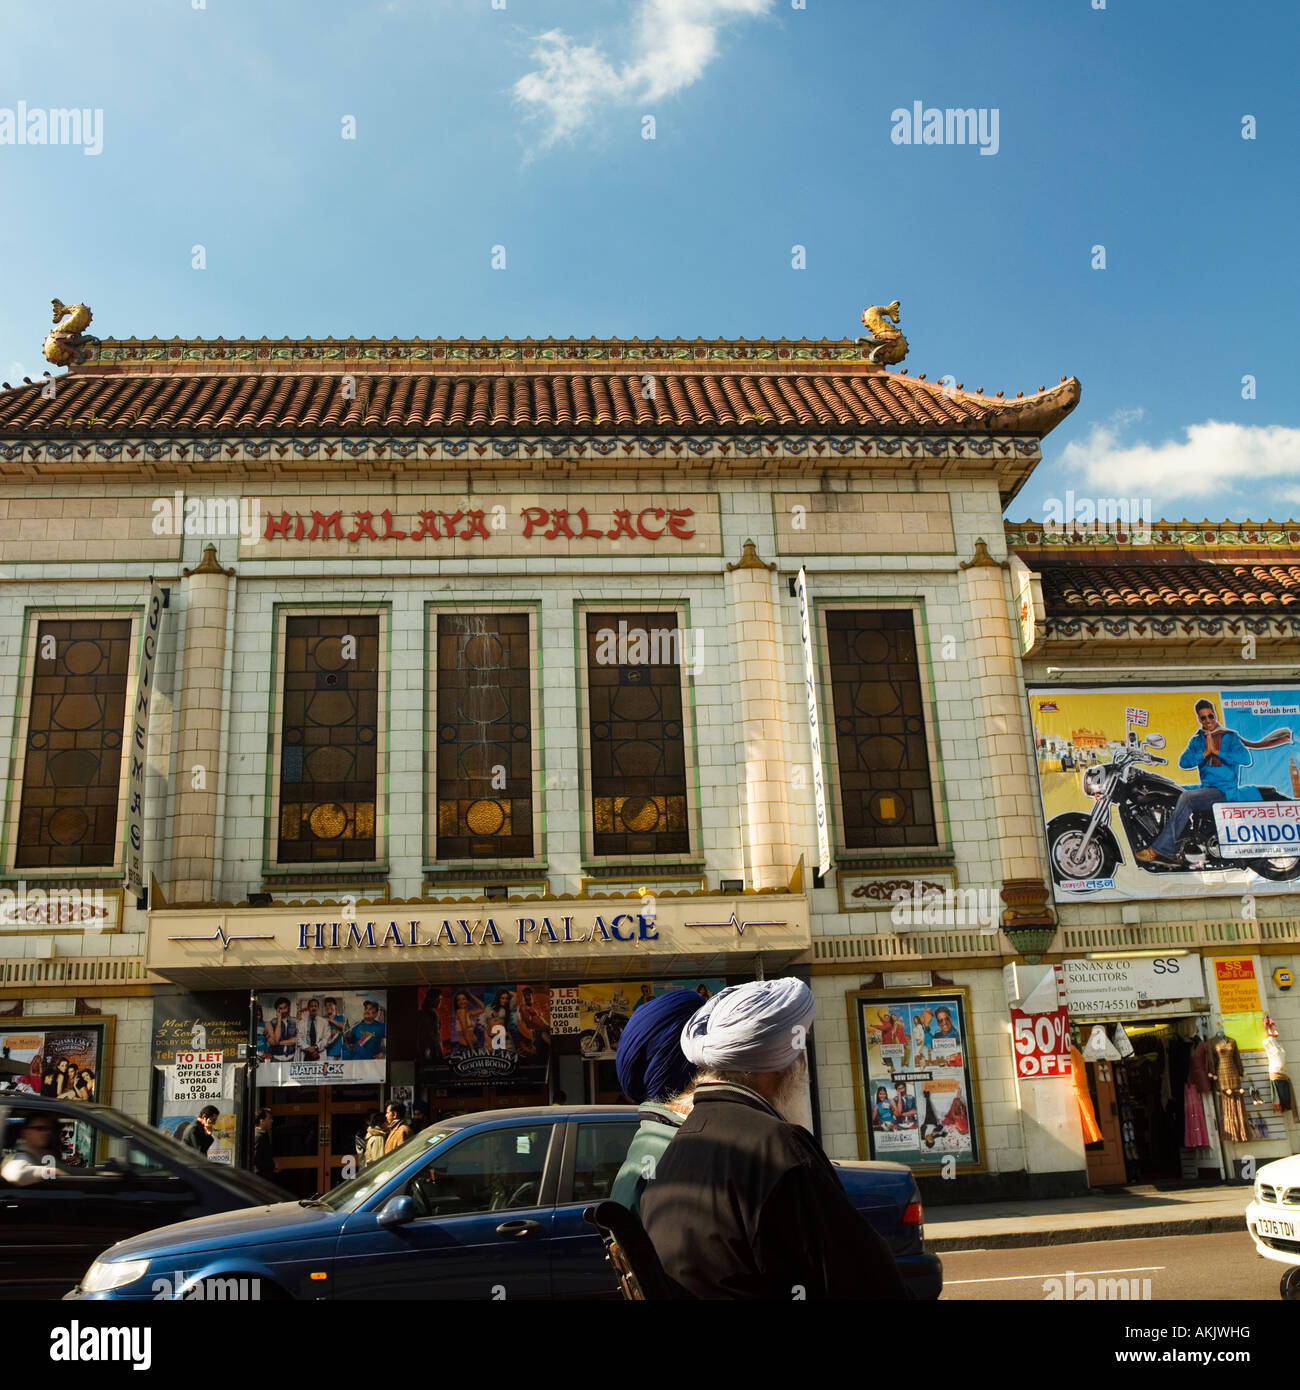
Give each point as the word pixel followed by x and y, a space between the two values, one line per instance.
pixel 744 1203
pixel 654 1074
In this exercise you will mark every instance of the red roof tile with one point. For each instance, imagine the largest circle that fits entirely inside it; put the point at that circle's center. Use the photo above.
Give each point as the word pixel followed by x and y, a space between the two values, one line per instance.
pixel 297 393
pixel 1178 584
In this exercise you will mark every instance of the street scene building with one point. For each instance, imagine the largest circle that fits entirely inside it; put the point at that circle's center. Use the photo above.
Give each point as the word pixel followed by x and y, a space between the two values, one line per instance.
pixel 392 718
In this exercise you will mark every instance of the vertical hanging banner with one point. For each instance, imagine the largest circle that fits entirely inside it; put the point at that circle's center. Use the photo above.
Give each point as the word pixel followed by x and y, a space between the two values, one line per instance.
pixel 140 745
pixel 814 728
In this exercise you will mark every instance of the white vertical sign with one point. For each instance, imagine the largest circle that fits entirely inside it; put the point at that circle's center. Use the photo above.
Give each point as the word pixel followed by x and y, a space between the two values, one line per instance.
pixel 814 728
pixel 140 745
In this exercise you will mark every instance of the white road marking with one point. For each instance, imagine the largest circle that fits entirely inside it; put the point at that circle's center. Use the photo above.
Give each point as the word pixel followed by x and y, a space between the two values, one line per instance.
pixel 1078 1273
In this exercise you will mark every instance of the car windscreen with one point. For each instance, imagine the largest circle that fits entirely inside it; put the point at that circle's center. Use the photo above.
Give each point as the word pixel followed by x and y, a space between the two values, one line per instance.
pixel 348 1196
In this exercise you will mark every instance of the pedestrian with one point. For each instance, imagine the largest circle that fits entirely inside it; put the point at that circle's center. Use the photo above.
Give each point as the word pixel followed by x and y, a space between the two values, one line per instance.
pixel 398 1130
pixel 745 1204
pixel 376 1134
pixel 263 1158
pixel 198 1134
pixel 655 1076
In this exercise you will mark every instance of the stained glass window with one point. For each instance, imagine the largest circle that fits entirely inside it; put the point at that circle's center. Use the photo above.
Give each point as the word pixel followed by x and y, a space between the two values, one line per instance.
pixel 73 760
pixel 329 740
pixel 638 747
pixel 884 765
pixel 484 736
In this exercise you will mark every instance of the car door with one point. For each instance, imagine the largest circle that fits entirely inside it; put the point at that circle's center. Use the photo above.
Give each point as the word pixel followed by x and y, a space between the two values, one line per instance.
pixel 594 1152
pixel 51 1231
pixel 483 1208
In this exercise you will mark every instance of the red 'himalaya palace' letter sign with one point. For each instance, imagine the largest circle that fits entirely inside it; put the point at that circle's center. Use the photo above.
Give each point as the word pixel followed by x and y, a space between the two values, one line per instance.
pixel 578 525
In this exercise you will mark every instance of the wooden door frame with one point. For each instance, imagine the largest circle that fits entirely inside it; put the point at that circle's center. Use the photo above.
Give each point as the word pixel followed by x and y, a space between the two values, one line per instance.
pixel 329 1101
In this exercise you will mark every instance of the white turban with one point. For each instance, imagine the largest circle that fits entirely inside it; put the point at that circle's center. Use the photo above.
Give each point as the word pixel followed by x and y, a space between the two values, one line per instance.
pixel 761 1026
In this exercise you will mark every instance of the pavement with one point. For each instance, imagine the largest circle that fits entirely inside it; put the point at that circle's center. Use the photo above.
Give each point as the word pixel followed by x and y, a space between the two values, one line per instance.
pixel 1129 1213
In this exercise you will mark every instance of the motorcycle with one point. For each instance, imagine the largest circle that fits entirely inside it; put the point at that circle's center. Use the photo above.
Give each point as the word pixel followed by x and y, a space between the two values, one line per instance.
pixel 1083 846
pixel 607 1027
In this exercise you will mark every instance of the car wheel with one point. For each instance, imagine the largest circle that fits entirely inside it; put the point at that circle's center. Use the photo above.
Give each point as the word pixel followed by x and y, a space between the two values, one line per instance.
pixel 1290 1286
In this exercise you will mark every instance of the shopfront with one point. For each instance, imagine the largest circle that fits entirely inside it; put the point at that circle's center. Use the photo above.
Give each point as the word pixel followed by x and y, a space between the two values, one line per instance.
pixel 1178 1085
pixel 511 1005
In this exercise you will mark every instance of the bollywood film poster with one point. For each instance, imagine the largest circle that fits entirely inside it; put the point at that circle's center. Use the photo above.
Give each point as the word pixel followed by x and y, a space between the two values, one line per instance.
pixel 913 1071
pixel 62 1063
pixel 323 1038
pixel 469 1034
pixel 598 1012
pixel 1169 791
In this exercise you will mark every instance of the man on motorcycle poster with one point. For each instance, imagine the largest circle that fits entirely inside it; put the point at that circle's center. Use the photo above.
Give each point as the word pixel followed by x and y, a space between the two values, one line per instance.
pixel 1217 754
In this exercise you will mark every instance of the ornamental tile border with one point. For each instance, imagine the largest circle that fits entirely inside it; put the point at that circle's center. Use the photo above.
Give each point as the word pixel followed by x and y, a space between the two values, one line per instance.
pixel 1147 627
pixel 1158 533
pixel 440 448
pixel 466 350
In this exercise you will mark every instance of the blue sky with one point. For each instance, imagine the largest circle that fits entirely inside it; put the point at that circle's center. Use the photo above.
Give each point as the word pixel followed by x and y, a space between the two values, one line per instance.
pixel 522 127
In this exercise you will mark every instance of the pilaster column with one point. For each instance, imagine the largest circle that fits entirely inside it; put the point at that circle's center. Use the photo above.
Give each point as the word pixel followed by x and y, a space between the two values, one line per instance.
pixel 758 680
pixel 1014 816
pixel 194 822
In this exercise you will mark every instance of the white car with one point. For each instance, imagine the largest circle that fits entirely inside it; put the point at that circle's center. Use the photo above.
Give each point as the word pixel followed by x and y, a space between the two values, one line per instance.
pixel 1273 1218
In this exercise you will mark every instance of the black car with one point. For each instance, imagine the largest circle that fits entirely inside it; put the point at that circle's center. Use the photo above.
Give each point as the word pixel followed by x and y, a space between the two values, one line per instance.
pixel 114 1179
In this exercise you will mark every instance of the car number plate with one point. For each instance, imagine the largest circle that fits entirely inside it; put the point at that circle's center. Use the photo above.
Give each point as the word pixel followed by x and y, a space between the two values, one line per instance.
pixel 1283 1229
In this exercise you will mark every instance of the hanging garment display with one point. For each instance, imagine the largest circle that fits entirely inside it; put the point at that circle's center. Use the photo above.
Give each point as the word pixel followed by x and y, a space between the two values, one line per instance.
pixel 1198 1068
pixel 1099 1047
pixel 1225 1058
pixel 1091 1132
pixel 1284 1097
pixel 1122 1044
pixel 1195 1133
pixel 1209 1115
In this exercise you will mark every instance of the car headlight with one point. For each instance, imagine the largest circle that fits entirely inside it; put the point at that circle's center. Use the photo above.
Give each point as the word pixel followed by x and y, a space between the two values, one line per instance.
pixel 104 1275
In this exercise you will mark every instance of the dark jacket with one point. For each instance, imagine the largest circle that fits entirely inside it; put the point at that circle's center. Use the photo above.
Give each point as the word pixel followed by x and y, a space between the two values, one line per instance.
pixel 747 1206
pixel 263 1159
pixel 197 1137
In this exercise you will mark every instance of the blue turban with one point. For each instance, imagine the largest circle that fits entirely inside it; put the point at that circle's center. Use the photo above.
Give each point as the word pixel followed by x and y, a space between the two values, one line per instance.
pixel 649 1061
pixel 761 1026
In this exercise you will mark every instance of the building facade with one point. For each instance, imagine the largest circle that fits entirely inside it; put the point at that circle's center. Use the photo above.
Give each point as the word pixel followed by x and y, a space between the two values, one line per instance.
pixel 493 687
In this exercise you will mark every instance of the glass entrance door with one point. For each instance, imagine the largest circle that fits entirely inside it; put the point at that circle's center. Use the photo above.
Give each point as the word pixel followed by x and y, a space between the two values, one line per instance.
pixel 313 1132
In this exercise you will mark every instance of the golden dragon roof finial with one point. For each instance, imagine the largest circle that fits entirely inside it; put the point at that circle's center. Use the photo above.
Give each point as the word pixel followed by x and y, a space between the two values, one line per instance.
pixel 69 345
pixel 886 344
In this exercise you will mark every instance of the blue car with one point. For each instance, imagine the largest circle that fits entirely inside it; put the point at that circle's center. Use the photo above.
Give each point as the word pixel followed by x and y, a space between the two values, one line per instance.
pixel 485 1206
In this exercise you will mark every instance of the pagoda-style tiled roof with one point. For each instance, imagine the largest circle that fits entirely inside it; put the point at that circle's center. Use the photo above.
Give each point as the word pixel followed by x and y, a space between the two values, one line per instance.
pixel 507 387
pixel 1187 586
pixel 1166 567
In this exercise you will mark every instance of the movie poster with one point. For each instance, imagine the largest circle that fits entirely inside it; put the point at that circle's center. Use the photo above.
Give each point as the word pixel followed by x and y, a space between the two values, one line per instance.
pixel 603 1009
pixel 469 1034
pixel 915 1100
pixel 1169 792
pixel 335 1038
pixel 62 1062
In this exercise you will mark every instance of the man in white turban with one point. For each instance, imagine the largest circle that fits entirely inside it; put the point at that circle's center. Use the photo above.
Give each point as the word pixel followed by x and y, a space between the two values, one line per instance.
pixel 743 1202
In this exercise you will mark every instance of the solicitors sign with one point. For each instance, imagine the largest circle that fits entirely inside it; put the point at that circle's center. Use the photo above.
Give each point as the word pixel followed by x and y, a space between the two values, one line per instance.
pixel 1129 984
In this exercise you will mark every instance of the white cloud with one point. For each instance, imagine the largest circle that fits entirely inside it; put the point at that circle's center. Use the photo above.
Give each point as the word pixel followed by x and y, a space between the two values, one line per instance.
pixel 1216 461
pixel 672 43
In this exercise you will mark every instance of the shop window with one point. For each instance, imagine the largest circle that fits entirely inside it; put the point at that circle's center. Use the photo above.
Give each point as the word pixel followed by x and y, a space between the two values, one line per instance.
pixel 886 798
pixel 600 1153
pixel 638 745
pixel 484 736
pixel 329 739
pixel 72 761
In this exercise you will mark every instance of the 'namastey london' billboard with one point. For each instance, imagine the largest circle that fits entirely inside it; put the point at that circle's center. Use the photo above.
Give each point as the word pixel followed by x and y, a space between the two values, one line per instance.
pixel 1169 791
